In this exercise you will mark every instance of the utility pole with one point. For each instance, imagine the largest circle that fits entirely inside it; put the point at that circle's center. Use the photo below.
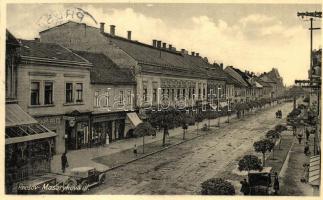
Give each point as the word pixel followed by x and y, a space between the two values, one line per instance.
pixel 312 83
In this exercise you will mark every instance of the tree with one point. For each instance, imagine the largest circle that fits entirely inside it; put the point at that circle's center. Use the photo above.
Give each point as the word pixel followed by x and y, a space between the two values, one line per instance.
pixel 250 162
pixel 263 146
pixel 143 129
pixel 164 119
pixel 273 136
pixel 198 119
pixel 217 186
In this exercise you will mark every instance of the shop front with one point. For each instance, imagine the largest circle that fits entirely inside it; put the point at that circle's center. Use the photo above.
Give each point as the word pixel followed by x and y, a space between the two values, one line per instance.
pixel 108 127
pixel 77 130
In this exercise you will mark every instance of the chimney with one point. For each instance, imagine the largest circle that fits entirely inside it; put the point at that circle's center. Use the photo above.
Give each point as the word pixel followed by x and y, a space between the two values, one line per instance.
pixel 154 43
pixel 170 47
pixel 164 45
pixel 221 66
pixel 129 35
pixel 37 39
pixel 197 54
pixel 102 27
pixel 112 30
pixel 193 53
pixel 158 44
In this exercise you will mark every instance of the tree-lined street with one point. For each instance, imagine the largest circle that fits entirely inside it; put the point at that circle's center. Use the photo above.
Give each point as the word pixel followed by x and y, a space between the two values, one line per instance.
pixel 181 169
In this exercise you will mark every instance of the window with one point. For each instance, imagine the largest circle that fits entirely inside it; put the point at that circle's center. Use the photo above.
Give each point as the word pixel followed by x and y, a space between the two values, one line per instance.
pixel 121 96
pixel 34 93
pixel 190 93
pixel 184 93
pixel 199 95
pixel 129 97
pixel 48 99
pixel 97 100
pixel 79 92
pixel 178 93
pixel 154 95
pixel 69 92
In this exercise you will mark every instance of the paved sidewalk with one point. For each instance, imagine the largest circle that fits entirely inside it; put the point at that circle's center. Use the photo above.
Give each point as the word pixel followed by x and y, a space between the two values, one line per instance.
pixel 290 179
pixel 84 157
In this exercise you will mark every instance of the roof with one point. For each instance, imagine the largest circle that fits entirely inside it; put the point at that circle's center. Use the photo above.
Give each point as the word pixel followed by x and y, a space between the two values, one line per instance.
pixel 231 80
pixel 163 61
pixel 21 127
pixel 105 71
pixel 11 40
pixel 50 52
pixel 15 115
pixel 244 76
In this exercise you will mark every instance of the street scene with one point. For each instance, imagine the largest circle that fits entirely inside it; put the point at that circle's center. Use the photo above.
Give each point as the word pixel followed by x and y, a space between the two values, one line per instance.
pixel 137 99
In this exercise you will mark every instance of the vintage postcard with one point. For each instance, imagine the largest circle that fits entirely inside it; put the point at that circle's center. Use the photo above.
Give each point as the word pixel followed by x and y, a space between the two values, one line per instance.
pixel 162 98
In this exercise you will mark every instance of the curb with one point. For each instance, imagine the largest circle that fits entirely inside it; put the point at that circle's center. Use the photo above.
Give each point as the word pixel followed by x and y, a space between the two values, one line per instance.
pixel 152 153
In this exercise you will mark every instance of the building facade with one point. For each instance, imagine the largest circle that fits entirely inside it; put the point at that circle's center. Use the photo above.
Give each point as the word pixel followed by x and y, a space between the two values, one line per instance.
pixel 54 87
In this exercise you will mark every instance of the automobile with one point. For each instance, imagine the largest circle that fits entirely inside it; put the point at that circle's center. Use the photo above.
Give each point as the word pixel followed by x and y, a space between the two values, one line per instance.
pixel 86 177
pixel 260 182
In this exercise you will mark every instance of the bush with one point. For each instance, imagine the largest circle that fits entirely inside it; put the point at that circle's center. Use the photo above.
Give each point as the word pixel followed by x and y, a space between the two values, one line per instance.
pixel 217 186
pixel 250 162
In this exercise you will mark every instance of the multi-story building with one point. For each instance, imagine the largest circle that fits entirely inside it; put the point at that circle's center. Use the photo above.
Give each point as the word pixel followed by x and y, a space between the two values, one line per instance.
pixel 54 87
pixel 242 91
pixel 276 82
pixel 113 99
pixel 161 72
pixel 28 144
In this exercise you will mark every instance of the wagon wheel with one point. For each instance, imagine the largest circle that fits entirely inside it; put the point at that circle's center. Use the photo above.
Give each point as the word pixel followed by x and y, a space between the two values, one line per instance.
pixel 71 183
pixel 84 186
pixel 102 179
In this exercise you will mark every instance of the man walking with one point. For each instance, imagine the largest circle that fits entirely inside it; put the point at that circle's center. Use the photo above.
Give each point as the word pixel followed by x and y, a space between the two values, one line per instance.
pixel 276 184
pixel 64 162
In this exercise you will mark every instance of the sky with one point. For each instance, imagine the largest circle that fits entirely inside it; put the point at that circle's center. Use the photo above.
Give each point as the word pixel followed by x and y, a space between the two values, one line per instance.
pixel 253 37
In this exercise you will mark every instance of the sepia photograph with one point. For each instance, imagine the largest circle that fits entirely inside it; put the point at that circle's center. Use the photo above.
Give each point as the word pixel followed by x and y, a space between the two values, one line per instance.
pixel 162 98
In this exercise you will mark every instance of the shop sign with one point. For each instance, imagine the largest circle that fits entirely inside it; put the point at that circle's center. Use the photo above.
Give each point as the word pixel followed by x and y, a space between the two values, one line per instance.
pixel 49 120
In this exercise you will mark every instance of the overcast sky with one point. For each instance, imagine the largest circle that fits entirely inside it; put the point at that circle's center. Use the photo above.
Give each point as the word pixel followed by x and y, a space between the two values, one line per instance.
pixel 254 37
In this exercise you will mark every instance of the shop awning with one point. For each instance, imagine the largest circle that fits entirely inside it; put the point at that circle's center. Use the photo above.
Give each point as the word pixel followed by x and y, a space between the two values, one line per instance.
pixel 134 119
pixel 21 127
pixel 16 116
pixel 314 170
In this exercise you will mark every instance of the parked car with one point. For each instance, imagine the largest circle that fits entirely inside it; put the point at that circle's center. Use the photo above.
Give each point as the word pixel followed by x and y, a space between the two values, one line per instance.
pixel 86 177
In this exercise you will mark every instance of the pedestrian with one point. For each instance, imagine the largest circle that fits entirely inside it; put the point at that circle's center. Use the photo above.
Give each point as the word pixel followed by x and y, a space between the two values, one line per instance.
pixel 244 187
pixel 64 162
pixel 135 150
pixel 307 132
pixel 306 149
pixel 276 184
pixel 299 137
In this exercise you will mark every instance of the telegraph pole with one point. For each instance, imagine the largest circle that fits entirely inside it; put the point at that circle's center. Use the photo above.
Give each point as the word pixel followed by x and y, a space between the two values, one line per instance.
pixel 312 83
